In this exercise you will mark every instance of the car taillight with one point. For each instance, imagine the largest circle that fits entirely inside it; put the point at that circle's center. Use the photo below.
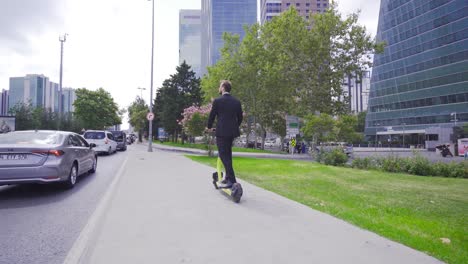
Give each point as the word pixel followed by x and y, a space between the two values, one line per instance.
pixel 107 141
pixel 54 152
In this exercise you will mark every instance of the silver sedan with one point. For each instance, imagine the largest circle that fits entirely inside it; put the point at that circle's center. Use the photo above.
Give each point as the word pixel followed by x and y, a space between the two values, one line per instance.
pixel 44 157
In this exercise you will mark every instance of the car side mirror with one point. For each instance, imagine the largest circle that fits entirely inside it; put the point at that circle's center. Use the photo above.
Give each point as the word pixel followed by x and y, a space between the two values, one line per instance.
pixel 92 145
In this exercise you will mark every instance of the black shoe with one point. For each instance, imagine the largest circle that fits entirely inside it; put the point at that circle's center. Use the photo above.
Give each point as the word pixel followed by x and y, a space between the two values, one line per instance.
pixel 226 185
pixel 224 181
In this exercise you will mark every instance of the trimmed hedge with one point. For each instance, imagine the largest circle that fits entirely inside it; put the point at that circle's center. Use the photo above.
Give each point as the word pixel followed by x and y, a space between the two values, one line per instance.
pixel 416 165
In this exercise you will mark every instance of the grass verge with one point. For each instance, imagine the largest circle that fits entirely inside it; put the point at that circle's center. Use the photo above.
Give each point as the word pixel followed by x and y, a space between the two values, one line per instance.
pixel 414 210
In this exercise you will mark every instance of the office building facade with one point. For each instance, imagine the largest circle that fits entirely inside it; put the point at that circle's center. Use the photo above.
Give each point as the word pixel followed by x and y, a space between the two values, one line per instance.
pixel 69 98
pixel 4 102
pixel 190 39
pixel 29 89
pixel 356 88
pixel 271 8
pixel 419 85
pixel 219 16
pixel 39 91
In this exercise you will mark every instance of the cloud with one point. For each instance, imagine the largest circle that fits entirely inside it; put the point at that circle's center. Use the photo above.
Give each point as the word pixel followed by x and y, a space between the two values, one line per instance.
pixel 22 20
pixel 369 15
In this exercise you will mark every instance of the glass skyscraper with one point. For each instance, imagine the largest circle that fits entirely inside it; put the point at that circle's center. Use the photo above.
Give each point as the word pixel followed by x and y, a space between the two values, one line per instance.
pixel 219 16
pixel 190 39
pixel 419 85
pixel 40 92
pixel 4 102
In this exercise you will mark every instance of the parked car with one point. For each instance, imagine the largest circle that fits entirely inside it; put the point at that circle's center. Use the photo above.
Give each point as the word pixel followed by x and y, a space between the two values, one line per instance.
pixel 104 141
pixel 121 139
pixel 129 140
pixel 45 157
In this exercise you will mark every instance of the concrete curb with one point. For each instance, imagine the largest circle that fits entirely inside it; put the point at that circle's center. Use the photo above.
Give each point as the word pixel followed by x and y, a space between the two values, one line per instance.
pixel 78 251
pixel 234 154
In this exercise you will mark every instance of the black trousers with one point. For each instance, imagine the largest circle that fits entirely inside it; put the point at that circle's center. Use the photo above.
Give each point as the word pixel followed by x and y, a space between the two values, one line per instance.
pixel 225 153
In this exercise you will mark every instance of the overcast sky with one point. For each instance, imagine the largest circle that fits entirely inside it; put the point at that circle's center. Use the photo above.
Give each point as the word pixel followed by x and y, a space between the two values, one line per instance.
pixel 109 42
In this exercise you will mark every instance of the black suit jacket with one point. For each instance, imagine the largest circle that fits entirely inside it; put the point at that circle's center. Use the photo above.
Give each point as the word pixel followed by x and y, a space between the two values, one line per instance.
pixel 228 109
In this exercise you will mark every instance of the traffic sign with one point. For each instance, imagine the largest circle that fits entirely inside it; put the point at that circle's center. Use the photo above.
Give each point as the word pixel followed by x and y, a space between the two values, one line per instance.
pixel 150 116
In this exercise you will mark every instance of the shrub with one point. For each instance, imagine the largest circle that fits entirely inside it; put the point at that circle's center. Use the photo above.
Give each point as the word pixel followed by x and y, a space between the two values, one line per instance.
pixel 361 163
pixel 393 164
pixel 335 157
pixel 420 166
pixel 457 170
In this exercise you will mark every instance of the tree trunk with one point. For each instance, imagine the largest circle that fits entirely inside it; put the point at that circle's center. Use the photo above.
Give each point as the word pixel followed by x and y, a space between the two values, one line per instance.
pixel 247 137
pixel 263 137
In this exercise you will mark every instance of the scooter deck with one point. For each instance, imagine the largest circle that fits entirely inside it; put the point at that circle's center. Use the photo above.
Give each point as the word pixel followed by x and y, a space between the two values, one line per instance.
pixel 235 192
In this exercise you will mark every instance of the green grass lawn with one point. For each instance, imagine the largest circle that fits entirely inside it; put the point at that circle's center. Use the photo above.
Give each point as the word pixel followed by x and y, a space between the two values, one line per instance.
pixel 414 210
pixel 203 146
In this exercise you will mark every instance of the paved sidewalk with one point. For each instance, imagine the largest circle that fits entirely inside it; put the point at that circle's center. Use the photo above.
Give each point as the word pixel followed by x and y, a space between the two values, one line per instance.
pixel 164 209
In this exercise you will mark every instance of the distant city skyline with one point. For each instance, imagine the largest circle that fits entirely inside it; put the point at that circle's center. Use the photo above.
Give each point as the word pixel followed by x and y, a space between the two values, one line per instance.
pixel 109 41
pixel 38 90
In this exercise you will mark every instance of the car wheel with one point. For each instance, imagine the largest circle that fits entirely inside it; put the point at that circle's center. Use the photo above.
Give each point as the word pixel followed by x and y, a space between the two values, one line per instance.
pixel 93 169
pixel 72 177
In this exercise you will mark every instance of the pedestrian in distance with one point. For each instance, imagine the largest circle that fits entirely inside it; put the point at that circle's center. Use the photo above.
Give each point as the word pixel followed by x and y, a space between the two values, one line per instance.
pixel 228 111
pixel 292 146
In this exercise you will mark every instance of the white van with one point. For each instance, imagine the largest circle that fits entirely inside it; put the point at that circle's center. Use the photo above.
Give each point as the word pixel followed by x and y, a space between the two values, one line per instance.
pixel 104 140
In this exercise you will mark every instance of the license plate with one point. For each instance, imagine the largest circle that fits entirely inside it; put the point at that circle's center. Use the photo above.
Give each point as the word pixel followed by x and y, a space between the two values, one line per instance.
pixel 13 156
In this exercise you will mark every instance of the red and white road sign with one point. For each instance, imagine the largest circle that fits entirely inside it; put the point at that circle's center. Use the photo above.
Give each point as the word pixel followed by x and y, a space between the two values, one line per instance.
pixel 150 116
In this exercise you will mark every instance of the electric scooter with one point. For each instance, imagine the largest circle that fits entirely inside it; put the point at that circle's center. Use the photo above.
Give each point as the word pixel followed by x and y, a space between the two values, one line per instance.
pixel 236 191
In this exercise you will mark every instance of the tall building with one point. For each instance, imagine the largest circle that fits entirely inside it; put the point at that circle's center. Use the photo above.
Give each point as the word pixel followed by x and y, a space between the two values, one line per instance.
pixel 419 85
pixel 28 89
pixel 269 9
pixel 40 92
pixel 219 16
pixel 272 8
pixel 69 98
pixel 357 89
pixel 190 39
pixel 4 102
pixel 51 96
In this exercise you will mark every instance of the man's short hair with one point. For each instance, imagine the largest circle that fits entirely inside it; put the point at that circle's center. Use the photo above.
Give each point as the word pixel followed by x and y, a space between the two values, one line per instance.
pixel 226 85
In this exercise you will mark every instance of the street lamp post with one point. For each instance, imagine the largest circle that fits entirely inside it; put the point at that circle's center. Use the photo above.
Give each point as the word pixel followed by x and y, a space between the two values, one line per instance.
pixel 404 124
pixel 62 40
pixel 150 132
pixel 454 114
pixel 141 91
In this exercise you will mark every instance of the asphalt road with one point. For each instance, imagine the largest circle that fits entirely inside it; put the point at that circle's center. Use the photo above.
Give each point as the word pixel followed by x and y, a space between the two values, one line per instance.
pixel 39 223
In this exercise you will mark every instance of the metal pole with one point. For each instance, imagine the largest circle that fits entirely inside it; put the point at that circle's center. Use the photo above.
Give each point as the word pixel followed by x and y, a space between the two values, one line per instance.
pixel 403 134
pixel 150 133
pixel 62 39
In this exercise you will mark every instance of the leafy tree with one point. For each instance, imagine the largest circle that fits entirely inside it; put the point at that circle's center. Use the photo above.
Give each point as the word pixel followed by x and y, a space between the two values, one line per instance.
pixel 96 109
pixel 361 122
pixel 177 93
pixel 137 115
pixel 290 65
pixel 23 113
pixel 345 129
pixel 319 128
